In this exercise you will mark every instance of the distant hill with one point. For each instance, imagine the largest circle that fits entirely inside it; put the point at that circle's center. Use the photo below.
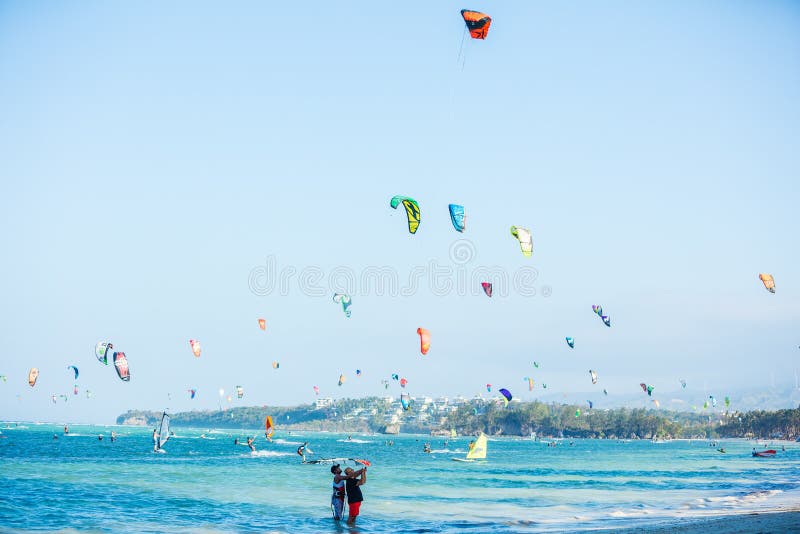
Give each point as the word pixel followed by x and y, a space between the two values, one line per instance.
pixel 683 400
pixel 468 417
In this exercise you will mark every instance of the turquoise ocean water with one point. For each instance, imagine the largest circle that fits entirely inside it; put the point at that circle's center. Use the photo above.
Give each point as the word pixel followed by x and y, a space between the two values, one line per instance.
pixel 79 483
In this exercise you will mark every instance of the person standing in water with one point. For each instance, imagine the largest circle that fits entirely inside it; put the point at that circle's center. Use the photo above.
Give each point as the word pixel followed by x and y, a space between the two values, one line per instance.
pixel 337 499
pixel 353 483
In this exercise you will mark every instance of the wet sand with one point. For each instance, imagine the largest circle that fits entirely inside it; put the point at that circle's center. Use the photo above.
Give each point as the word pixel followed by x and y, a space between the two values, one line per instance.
pixel 776 521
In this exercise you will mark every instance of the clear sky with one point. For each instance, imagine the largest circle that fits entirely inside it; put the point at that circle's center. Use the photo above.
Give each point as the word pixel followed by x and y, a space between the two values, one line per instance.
pixel 158 159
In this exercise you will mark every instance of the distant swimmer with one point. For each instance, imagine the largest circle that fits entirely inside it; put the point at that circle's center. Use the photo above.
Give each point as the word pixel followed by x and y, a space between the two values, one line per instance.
pixel 100 437
pixel 55 436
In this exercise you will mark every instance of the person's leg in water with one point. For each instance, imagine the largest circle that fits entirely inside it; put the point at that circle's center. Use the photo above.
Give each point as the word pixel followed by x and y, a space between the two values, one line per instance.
pixel 337 505
pixel 352 513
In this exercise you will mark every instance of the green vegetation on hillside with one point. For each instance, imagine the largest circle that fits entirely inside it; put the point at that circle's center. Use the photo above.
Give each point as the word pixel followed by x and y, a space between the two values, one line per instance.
pixel 469 417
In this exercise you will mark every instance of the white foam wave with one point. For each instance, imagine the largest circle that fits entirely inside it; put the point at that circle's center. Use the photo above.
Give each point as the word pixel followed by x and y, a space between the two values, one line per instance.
pixel 268 454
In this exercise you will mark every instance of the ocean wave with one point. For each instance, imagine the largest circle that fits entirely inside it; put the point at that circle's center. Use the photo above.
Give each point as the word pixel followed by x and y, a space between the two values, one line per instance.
pixel 268 454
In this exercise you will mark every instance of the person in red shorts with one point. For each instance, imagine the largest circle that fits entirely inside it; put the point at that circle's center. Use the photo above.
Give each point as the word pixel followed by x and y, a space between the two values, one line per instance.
pixel 353 485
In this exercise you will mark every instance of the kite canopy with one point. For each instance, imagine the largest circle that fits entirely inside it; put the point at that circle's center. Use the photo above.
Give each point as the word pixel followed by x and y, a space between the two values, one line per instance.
pixel 405 400
pixel 33 375
pixel 412 211
pixel 525 239
pixel 316 390
pixel 75 369
pixel 403 382
pixel 593 374
pixel 487 288
pixel 683 383
pixel 769 282
pixel 275 365
pixel 341 379
pixel 570 342
pixel 530 383
pixel 477 23
pixel 458 217
pixel 262 324
pixel 101 351
pixel 489 387
pixel 192 392
pixel 195 347
pixel 647 388
pixel 424 340
pixel 121 364
pixel 506 394
pixel 239 392
pixel 345 301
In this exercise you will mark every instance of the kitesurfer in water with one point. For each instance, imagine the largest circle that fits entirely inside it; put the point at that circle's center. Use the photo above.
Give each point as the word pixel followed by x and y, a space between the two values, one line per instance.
pixel 250 444
pixel 426 447
pixel 301 450
pixel 113 436
pixel 66 429
pixel 353 483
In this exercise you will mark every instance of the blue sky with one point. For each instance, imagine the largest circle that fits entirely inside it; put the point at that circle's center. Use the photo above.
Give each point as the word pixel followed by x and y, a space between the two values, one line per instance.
pixel 155 156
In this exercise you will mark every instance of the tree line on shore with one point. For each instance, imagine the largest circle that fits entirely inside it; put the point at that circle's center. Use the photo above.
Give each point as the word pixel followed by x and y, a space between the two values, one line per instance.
pixel 516 419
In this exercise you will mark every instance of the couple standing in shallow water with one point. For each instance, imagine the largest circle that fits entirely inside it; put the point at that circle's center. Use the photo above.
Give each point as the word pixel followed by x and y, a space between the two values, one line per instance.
pixel 351 482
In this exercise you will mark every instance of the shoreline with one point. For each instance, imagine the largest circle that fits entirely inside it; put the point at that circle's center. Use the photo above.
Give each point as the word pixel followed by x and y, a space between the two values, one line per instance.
pixel 786 519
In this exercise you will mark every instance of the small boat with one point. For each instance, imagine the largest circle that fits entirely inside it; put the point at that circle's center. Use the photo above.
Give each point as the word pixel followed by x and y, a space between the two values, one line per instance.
pixel 477 452
pixel 769 453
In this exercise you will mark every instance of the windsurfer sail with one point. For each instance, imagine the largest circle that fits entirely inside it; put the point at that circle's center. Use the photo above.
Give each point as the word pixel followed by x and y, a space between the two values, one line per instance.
pixel 163 431
pixel 477 450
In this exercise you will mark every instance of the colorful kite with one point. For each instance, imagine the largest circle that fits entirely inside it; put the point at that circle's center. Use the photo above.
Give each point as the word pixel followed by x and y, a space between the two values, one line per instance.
pixel 477 23
pixel 412 211
pixel 458 217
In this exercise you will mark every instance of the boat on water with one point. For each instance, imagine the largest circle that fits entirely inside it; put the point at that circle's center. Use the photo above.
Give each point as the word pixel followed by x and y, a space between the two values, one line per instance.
pixel 769 453
pixel 477 452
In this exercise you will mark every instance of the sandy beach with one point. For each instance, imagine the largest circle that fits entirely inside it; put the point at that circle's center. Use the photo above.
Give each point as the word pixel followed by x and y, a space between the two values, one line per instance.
pixel 774 521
